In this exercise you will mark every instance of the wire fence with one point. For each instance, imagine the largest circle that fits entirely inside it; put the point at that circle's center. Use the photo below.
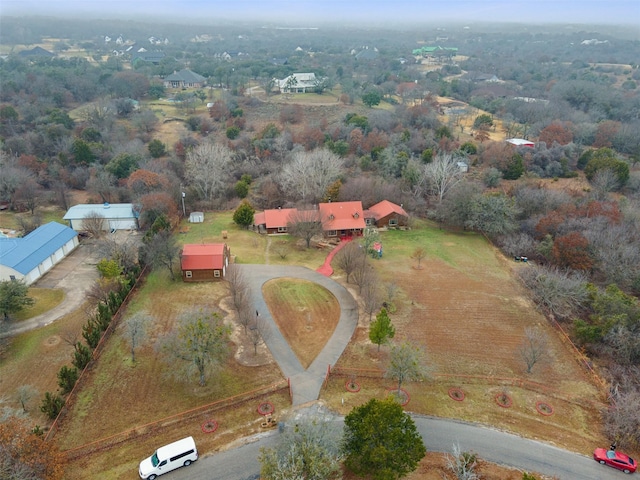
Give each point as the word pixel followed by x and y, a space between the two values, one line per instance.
pixel 462 379
pixel 115 320
pixel 187 416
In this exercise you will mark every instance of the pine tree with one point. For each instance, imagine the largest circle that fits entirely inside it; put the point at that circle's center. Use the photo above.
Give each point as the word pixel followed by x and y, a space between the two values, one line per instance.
pixel 381 329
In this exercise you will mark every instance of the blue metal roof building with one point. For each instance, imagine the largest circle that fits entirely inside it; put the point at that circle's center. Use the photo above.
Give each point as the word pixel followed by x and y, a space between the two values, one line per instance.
pixel 30 257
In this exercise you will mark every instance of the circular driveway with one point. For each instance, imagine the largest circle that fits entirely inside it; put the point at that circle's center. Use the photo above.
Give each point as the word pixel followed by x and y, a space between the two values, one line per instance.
pixel 305 384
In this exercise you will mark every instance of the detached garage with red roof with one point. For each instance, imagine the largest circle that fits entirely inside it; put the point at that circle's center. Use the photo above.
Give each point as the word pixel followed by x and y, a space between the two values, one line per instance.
pixel 204 262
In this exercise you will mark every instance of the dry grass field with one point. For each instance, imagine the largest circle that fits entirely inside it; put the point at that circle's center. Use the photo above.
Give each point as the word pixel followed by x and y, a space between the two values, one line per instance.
pixel 466 308
pixel 463 305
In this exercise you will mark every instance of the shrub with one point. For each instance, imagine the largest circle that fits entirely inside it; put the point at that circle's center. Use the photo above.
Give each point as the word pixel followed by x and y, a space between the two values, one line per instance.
pixel 51 405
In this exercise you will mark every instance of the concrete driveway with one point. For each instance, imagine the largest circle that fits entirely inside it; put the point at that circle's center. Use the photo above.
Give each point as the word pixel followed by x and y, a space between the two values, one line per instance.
pixel 305 384
pixel 74 275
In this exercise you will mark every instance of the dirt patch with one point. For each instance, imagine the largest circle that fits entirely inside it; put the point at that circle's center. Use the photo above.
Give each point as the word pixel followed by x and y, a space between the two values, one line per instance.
pixel 306 314
pixel 52 341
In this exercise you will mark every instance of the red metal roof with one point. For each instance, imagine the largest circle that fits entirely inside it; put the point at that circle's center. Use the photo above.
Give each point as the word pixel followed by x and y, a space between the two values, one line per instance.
pixel 278 217
pixel 384 208
pixel 204 256
pixel 341 215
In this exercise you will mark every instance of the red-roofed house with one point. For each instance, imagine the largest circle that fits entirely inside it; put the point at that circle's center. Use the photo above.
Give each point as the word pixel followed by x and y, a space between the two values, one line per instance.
pixel 342 219
pixel 273 221
pixel 205 262
pixel 386 214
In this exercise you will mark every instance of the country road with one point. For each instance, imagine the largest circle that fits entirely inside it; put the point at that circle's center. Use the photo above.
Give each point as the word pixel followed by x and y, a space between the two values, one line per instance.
pixel 439 435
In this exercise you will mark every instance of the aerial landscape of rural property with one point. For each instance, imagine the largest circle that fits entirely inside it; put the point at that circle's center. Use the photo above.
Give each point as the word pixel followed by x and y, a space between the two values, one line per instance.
pixel 285 241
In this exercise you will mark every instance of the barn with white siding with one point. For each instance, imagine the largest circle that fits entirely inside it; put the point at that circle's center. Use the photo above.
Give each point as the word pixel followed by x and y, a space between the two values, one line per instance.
pixel 30 257
pixel 117 216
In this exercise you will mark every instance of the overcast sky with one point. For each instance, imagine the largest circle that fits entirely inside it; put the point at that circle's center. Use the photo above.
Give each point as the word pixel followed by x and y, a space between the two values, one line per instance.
pixel 339 11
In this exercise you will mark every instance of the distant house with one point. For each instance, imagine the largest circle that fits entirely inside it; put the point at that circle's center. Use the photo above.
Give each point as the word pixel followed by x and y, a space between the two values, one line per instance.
pixel 367 54
pixel 342 219
pixel 521 142
pixel 184 79
pixel 148 57
pixel 298 83
pixel 386 214
pixel 36 52
pixel 29 258
pixel 206 262
pixel 279 61
pixel 274 221
pixel 117 216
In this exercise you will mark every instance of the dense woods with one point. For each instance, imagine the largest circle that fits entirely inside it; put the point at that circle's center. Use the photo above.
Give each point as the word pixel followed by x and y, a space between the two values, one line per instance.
pixel 84 119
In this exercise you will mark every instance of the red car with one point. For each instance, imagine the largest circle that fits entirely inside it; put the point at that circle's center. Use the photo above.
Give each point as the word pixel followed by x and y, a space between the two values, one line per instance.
pixel 615 459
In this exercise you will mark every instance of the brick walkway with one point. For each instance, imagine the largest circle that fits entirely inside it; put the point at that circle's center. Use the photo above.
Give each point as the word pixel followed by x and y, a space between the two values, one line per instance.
pixel 326 269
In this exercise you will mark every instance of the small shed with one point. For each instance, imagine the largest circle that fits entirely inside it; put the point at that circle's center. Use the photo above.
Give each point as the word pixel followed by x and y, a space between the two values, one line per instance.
pixel 196 217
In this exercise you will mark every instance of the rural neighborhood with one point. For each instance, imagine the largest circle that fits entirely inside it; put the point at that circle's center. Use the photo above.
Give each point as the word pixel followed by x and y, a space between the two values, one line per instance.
pixel 239 248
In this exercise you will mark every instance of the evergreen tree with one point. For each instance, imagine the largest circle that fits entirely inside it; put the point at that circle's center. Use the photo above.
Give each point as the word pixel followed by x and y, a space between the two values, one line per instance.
pixel 243 215
pixel 381 328
pixel 381 440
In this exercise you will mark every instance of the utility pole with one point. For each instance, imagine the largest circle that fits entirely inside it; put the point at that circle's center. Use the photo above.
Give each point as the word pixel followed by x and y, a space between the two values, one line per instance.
pixel 184 213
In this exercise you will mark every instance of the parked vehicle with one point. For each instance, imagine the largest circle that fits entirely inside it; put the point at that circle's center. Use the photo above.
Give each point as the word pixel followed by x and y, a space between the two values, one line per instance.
pixel 615 459
pixel 168 458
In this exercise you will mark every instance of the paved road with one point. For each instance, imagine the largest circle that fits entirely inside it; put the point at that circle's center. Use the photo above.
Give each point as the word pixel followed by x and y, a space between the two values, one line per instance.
pixel 305 384
pixel 439 435
pixel 74 275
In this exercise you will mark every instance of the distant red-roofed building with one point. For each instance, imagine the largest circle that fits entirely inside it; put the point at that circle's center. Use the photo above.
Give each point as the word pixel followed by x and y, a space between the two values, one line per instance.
pixel 386 214
pixel 274 221
pixel 205 262
pixel 342 219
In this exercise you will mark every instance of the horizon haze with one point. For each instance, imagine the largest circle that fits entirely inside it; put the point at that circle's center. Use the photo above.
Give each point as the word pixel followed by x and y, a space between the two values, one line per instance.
pixel 311 13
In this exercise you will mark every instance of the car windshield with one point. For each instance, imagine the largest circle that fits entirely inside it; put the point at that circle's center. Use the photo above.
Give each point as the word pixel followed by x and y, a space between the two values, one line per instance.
pixel 154 459
pixel 611 454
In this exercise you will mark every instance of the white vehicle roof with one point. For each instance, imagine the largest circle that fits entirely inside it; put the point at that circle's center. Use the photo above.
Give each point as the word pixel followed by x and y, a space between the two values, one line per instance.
pixel 174 448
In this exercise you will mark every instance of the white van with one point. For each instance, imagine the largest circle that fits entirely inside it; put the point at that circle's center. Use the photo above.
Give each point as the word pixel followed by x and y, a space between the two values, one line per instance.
pixel 169 457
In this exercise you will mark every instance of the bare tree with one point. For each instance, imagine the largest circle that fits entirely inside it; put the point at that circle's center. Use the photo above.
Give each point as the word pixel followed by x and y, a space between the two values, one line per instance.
pixel 103 183
pixel 305 224
pixel 418 254
pixel 101 289
pixel 162 251
pixel 258 333
pixel 28 223
pixel 136 330
pixel 363 274
pixel 560 292
pixel 603 182
pixel 622 420
pixel 462 464
pixel 534 347
pixel 25 394
pixel 311 450
pixel 349 258
pixel 125 252
pixel 439 176
pixel 245 313
pixel 29 194
pixel 309 174
pixel 94 223
pixel 207 168
pixel 200 341
pixel 371 295
pixel 407 363
pixel 240 294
